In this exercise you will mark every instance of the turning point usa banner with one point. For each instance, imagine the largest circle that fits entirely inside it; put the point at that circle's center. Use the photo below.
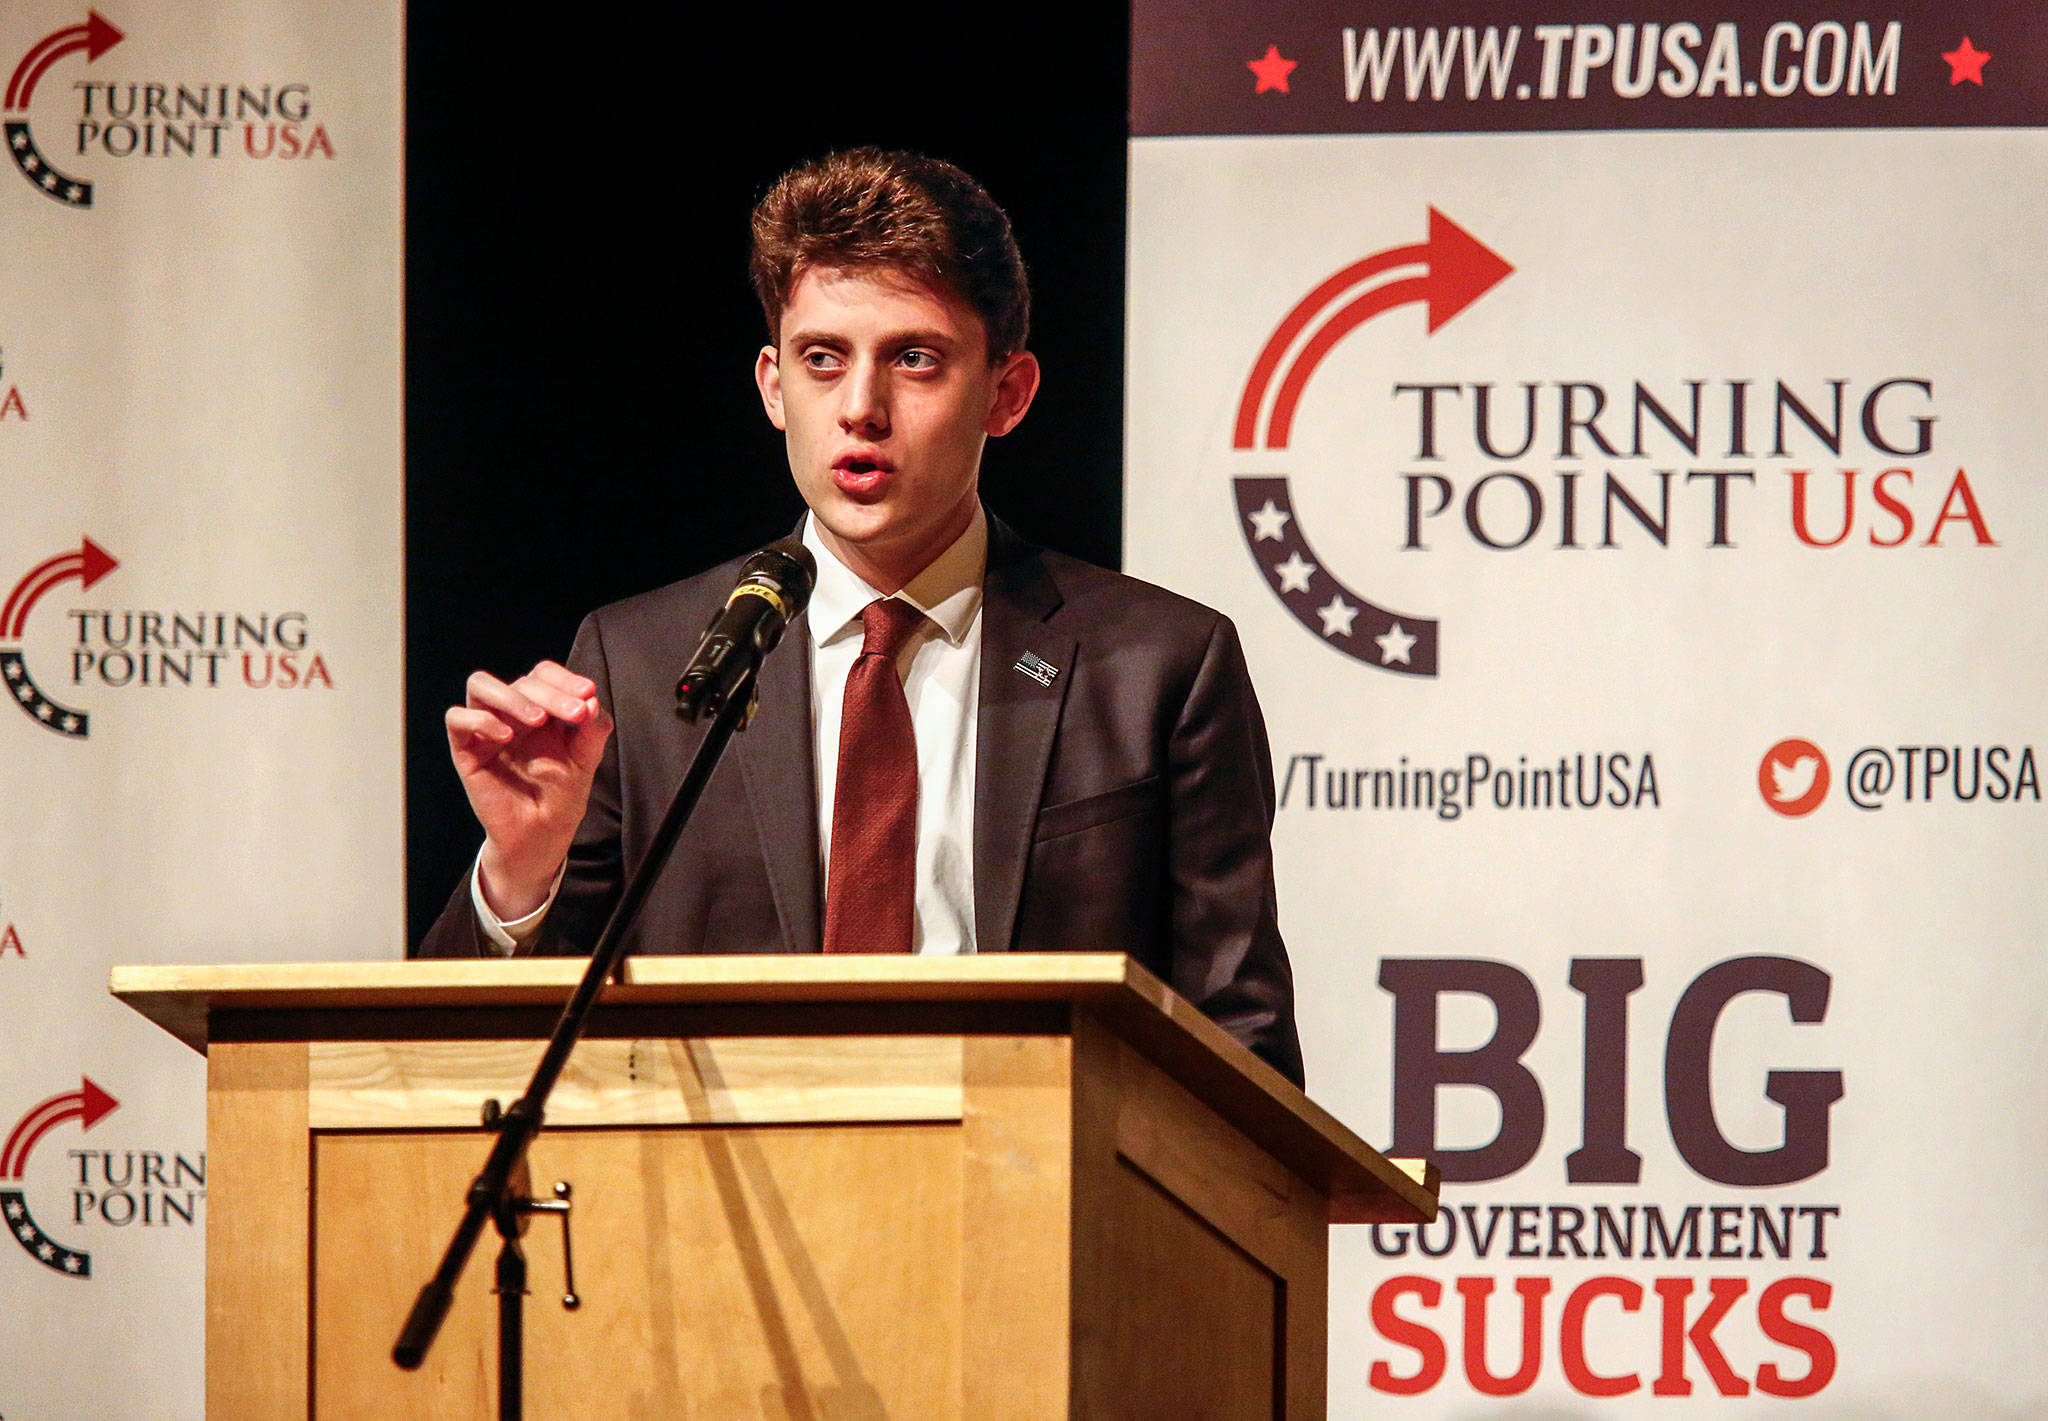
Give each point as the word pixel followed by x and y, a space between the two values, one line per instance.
pixel 1616 434
pixel 200 630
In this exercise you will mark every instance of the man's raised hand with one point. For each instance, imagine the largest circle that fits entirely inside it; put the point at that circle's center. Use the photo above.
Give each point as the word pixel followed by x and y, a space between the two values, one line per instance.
pixel 526 753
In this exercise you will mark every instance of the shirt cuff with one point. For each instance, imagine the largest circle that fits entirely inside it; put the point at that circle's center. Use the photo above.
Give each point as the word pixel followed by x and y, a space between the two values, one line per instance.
pixel 509 938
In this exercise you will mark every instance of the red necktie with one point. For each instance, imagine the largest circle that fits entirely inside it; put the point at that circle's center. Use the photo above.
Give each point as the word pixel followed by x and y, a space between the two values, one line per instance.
pixel 871 887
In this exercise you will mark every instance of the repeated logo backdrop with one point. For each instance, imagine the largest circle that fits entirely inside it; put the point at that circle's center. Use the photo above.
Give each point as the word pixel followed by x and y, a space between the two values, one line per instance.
pixel 199 615
pixel 1617 440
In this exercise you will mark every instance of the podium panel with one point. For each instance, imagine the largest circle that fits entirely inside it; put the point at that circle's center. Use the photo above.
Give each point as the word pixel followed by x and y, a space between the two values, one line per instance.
pixel 730 1265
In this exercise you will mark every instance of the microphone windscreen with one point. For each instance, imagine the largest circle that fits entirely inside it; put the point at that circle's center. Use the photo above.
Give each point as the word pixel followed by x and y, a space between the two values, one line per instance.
pixel 789 566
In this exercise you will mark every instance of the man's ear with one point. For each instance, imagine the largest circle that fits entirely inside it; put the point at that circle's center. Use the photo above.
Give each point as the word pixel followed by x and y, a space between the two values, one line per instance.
pixel 1016 386
pixel 768 380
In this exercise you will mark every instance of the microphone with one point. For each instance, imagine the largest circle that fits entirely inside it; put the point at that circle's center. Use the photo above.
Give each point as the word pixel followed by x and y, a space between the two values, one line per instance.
pixel 773 587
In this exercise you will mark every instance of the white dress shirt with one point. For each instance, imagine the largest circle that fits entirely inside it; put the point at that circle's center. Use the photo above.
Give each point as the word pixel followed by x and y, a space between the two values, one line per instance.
pixel 941 670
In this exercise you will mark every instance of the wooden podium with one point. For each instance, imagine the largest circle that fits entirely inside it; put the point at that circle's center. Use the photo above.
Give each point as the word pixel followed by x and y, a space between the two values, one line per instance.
pixel 1011 1186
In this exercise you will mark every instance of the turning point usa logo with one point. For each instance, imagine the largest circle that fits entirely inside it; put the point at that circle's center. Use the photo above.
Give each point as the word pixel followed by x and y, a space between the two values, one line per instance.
pixel 125 649
pixel 117 1188
pixel 1815 458
pixel 64 112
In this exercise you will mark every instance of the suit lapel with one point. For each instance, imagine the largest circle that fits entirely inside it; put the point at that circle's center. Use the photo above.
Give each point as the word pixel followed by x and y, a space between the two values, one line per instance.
pixel 1025 667
pixel 776 761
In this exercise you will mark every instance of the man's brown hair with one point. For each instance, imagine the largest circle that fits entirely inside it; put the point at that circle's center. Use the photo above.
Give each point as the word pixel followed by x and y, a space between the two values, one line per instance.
pixel 867 208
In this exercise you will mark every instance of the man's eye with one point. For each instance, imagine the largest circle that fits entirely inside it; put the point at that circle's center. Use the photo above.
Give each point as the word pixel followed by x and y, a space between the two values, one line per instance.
pixel 919 359
pixel 820 359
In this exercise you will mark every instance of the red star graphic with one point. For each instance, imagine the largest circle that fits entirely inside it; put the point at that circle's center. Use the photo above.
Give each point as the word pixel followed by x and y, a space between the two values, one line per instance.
pixel 1966 62
pixel 1273 70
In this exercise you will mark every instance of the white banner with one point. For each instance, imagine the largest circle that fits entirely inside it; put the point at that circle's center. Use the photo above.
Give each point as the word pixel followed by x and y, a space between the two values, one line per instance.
pixel 1638 545
pixel 200 387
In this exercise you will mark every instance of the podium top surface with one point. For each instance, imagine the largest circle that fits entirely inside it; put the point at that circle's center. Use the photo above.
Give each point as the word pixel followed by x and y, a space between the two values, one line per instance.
pixel 1166 1028
pixel 180 999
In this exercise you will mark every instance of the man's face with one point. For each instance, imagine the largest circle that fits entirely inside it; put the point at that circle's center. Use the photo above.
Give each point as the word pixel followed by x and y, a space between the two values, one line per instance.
pixel 884 391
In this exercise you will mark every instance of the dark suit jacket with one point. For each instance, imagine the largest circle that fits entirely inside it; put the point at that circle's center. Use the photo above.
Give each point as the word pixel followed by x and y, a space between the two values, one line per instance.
pixel 1127 805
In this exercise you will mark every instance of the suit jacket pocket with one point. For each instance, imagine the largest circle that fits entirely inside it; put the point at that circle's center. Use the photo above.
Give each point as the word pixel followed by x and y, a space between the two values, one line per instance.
pixel 1075 815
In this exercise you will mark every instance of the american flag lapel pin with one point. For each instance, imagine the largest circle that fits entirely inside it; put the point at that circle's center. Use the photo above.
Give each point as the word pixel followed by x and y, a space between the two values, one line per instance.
pixel 1037 668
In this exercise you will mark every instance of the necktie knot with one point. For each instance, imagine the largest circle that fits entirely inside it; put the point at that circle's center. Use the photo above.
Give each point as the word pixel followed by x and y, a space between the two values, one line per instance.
pixel 887 624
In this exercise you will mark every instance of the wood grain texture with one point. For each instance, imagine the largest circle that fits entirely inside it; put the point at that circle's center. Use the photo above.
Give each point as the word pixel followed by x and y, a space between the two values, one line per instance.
pixel 733 1080
pixel 1201 1263
pixel 1017 1280
pixel 786 1272
pixel 1194 1322
pixel 1199 1159
pixel 1023 1186
pixel 1363 1186
pixel 1245 1197
pixel 179 997
pixel 258 1246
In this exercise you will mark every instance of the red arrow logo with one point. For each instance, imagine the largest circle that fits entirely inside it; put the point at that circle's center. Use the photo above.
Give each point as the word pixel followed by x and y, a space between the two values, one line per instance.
pixel 89 564
pixel 1457 269
pixel 96 36
pixel 88 1105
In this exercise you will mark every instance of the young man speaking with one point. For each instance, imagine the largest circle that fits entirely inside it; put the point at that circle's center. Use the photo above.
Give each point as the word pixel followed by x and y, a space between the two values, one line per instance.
pixel 970 744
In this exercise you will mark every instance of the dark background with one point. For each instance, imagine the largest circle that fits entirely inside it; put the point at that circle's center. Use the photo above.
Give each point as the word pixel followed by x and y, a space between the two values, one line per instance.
pixel 581 422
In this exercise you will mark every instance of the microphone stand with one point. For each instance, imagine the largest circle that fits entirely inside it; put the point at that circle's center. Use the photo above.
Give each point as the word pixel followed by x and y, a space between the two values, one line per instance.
pixel 498 1193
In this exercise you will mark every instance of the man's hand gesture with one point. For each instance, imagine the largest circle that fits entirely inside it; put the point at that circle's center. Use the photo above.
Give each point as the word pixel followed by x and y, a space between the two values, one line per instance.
pixel 526 753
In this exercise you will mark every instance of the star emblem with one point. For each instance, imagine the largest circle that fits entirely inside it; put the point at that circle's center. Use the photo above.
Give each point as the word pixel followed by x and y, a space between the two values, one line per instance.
pixel 1273 70
pixel 71 721
pixel 14 1209
pixel 46 1251
pixel 1268 522
pixel 21 140
pixel 1393 644
pixel 1337 616
pixel 1313 593
pixel 71 1263
pixel 1295 572
pixel 1966 62
pixel 26 1234
pixel 14 670
pixel 25 694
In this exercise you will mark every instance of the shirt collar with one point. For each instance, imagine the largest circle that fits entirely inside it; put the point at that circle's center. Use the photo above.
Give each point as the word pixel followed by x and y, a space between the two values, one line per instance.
pixel 948 590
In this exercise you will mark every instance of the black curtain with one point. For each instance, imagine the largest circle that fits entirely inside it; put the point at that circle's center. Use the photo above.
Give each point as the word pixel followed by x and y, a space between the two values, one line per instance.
pixel 581 421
